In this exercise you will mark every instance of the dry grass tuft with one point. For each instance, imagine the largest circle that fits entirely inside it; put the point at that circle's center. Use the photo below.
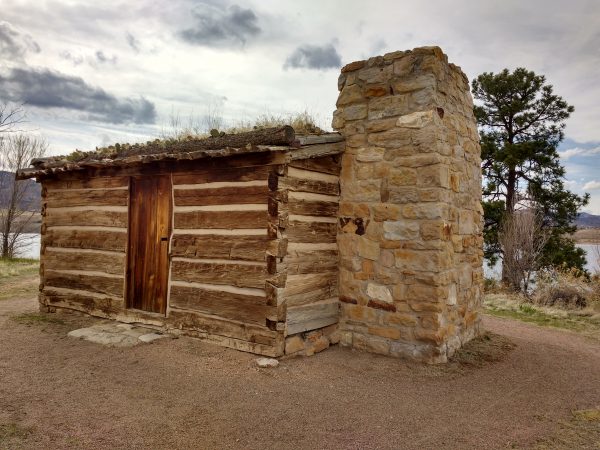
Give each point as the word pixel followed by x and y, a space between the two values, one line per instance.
pixel 566 289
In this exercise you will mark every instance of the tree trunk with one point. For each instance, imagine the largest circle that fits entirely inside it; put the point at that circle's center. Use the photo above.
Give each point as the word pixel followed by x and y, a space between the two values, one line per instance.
pixel 510 208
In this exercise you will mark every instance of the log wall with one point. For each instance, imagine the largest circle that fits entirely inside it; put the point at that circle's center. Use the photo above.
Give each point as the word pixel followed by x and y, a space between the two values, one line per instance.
pixel 253 256
pixel 310 188
pixel 218 258
pixel 83 245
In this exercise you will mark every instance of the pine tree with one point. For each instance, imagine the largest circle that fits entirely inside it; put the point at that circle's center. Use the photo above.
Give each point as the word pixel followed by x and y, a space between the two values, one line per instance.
pixel 521 122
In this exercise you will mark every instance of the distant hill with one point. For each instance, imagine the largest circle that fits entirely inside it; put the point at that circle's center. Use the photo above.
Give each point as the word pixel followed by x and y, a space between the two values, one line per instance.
pixel 586 220
pixel 32 198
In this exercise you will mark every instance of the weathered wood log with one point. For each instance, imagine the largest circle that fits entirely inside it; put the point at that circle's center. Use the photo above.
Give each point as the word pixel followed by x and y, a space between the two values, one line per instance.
pixel 318 151
pixel 202 175
pixel 309 207
pixel 111 286
pixel 91 183
pixel 311 232
pixel 194 320
pixel 221 196
pixel 221 219
pixel 98 240
pixel 91 217
pixel 314 296
pixel 314 186
pixel 80 301
pixel 244 308
pixel 95 197
pixel 240 275
pixel 311 261
pixel 312 316
pixel 299 284
pixel 326 164
pixel 316 139
pixel 245 247
pixel 267 136
pixel 113 263
pixel 166 166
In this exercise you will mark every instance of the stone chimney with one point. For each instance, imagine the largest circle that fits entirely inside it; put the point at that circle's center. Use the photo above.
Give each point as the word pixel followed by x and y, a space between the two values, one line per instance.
pixel 410 220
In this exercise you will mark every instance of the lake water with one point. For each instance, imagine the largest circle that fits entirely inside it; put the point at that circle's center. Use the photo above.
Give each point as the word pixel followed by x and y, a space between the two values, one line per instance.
pixel 32 250
pixel 592 256
pixel 32 246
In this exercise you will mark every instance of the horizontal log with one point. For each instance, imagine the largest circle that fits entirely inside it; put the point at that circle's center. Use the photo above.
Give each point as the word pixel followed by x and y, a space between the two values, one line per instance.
pixel 315 139
pixel 244 308
pixel 221 219
pixel 211 324
pixel 98 240
pixel 311 261
pixel 326 164
pixel 306 185
pixel 312 317
pixel 302 283
pixel 111 286
pixel 245 247
pixel 215 176
pixel 317 295
pixel 164 164
pixel 81 301
pixel 113 263
pixel 96 197
pixel 318 150
pixel 91 183
pixel 311 232
pixel 241 275
pixel 313 207
pixel 91 217
pixel 221 196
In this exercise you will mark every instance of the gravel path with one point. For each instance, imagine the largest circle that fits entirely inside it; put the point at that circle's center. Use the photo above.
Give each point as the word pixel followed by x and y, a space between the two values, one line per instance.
pixel 57 392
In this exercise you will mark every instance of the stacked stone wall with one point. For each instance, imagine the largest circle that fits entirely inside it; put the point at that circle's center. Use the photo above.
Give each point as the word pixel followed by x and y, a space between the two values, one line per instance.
pixel 410 218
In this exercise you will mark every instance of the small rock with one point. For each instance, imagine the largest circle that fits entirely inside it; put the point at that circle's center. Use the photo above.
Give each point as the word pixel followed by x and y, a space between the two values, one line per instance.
pixel 267 362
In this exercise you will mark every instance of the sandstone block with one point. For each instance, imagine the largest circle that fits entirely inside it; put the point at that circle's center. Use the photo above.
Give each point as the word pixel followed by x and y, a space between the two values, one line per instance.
pixel 294 344
pixel 400 230
pixel 437 175
pixel 368 249
pixel 403 85
pixel 379 292
pixel 355 112
pixel 350 94
pixel 370 154
pixel 382 107
pixel 386 211
pixel 385 332
pixel 403 176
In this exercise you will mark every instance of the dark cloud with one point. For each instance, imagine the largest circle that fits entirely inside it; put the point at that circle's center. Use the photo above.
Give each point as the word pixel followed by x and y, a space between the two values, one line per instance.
pixel 47 89
pixel 218 27
pixel 133 42
pixel 13 44
pixel 102 58
pixel 314 57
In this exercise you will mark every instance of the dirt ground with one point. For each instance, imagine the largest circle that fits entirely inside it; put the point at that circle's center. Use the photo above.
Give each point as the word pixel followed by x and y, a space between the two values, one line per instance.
pixel 518 389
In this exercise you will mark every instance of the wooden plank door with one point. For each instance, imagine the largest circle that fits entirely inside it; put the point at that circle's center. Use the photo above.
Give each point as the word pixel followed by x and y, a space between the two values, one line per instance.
pixel 149 231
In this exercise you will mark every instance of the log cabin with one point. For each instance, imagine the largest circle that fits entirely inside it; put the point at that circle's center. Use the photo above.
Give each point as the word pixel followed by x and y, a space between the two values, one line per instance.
pixel 280 244
pixel 231 239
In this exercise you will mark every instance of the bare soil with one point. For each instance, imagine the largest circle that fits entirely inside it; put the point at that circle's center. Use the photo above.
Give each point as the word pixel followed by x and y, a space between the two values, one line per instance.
pixel 518 387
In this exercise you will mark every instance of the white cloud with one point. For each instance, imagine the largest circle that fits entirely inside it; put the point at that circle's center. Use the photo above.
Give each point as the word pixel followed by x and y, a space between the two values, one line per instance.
pixel 591 185
pixel 569 153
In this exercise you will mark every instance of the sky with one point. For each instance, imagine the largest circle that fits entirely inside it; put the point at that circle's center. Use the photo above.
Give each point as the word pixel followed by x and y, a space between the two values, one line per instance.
pixel 95 73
